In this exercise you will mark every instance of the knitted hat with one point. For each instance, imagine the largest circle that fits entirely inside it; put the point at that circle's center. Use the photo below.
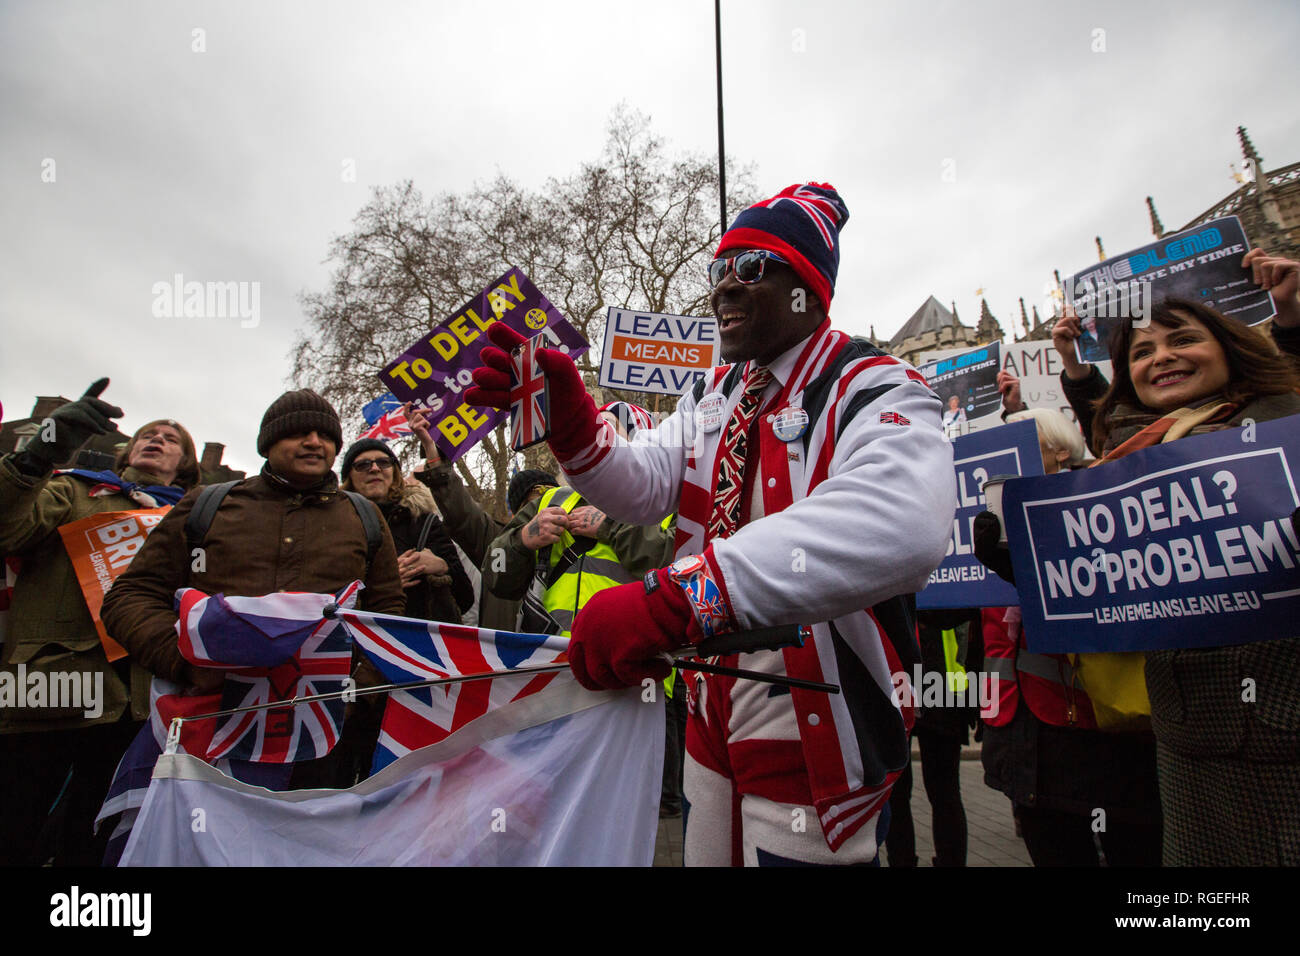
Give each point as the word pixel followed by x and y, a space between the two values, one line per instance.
pixel 802 225
pixel 630 416
pixel 524 482
pixel 366 444
pixel 294 413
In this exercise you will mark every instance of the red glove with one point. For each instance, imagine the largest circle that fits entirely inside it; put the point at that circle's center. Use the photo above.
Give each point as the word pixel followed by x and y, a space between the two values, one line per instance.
pixel 620 633
pixel 573 423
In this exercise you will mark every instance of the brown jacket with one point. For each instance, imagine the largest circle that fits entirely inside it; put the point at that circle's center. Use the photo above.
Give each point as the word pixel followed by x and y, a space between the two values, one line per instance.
pixel 266 537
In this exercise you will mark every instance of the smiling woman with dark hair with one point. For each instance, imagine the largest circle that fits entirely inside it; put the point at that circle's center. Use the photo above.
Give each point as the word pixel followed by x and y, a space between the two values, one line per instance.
pixel 1188 356
pixel 1229 763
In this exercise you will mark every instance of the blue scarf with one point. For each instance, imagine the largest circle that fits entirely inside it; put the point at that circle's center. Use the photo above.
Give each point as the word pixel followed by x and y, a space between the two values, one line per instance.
pixel 162 494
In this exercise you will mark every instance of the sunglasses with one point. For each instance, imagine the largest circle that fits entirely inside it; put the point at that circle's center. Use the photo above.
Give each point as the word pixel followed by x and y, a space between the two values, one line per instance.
pixel 383 464
pixel 748 266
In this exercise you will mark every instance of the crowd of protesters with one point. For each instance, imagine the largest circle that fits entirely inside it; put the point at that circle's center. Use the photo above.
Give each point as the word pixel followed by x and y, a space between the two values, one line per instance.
pixel 1200 779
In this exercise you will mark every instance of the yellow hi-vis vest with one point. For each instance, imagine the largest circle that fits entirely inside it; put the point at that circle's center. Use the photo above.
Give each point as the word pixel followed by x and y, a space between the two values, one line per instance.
pixel 595 570
pixel 956 673
pixel 672 675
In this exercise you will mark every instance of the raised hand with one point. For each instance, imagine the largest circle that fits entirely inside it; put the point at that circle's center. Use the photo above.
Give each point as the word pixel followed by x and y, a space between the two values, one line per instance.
pixel 419 422
pixel 1009 386
pixel 70 426
pixel 1281 277
pixel 1064 332
pixel 573 422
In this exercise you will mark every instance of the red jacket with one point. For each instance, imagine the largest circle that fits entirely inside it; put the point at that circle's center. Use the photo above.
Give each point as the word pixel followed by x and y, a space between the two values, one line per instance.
pixel 1046 681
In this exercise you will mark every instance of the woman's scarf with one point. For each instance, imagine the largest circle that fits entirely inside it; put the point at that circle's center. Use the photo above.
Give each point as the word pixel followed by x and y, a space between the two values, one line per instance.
pixel 110 483
pixel 1134 430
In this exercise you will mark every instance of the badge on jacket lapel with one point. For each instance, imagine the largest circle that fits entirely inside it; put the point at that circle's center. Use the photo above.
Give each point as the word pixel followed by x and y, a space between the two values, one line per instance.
pixel 709 412
pixel 790 423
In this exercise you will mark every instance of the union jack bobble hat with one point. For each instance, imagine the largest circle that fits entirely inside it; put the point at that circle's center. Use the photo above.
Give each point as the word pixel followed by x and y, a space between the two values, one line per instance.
pixel 631 417
pixel 802 225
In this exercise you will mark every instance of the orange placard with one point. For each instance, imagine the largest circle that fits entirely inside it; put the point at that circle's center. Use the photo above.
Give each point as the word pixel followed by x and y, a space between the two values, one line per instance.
pixel 654 352
pixel 101 547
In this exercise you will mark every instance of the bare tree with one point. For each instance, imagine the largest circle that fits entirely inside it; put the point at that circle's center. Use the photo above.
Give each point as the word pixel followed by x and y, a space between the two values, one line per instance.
pixel 634 229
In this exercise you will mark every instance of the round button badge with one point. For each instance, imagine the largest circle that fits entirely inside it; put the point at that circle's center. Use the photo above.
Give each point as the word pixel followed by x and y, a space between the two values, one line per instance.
pixel 790 423
pixel 708 414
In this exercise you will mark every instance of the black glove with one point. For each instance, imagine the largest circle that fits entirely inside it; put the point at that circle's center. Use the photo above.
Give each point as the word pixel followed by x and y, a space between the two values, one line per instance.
pixel 70 427
pixel 988 551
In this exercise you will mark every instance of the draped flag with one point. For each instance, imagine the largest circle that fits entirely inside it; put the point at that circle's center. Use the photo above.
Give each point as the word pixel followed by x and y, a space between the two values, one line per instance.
pixel 385 417
pixel 562 777
pixel 273 648
pixel 407 650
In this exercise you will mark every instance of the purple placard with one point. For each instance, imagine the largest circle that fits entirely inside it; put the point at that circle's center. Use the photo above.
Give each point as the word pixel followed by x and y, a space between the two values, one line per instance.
pixel 435 371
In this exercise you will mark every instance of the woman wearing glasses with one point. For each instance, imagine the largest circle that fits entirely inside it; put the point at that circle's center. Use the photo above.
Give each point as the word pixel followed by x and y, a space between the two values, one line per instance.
pixel 437 587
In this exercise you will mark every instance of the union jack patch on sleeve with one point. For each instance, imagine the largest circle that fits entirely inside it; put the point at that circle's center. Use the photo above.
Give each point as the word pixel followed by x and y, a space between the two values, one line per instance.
pixel 893 418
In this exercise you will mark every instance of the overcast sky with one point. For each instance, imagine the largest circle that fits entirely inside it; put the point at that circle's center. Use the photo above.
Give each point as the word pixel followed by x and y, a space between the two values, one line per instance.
pixel 226 164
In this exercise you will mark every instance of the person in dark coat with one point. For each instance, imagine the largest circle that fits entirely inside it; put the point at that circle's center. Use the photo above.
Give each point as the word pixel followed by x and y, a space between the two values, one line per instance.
pixel 437 587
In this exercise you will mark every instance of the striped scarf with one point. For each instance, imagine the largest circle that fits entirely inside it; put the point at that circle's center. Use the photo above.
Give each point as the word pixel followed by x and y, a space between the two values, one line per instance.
pixel 1135 430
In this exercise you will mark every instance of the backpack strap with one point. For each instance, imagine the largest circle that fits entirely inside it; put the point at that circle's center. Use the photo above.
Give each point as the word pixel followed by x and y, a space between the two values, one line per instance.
pixel 425 531
pixel 204 510
pixel 369 516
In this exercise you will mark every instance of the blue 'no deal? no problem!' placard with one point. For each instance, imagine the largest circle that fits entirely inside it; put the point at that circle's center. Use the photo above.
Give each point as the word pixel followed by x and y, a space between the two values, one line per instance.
pixel 1187 544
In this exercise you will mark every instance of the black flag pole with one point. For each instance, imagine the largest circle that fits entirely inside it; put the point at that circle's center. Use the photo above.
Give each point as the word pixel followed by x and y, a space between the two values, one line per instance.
pixel 678 663
pixel 768 638
pixel 722 149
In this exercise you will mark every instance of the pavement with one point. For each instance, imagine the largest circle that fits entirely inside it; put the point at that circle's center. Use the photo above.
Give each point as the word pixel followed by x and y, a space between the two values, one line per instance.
pixel 990 830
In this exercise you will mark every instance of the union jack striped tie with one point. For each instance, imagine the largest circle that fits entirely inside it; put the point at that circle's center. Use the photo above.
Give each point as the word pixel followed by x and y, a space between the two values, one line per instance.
pixel 731 462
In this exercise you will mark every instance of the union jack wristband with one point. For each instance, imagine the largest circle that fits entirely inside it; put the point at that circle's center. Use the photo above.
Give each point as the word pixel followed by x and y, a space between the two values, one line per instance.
pixel 694 576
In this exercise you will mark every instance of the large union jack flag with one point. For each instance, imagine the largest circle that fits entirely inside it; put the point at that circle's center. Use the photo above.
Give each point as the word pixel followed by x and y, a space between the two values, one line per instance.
pixel 407 650
pixel 528 409
pixel 272 648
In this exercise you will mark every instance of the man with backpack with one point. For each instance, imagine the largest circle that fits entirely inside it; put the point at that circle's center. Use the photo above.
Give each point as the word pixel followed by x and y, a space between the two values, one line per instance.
pixel 289 528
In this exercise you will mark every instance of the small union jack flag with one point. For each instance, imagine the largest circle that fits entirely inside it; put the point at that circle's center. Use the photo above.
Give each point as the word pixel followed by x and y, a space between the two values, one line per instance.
pixel 893 418
pixel 527 396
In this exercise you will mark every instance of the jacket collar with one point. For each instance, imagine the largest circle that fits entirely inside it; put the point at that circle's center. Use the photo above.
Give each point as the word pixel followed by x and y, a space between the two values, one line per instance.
pixel 327 485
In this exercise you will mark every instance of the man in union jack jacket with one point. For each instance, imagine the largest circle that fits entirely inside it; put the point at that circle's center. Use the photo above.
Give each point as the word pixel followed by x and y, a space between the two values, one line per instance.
pixel 812 485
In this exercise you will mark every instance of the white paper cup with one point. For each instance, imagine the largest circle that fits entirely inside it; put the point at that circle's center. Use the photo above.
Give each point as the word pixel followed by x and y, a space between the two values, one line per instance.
pixel 993 500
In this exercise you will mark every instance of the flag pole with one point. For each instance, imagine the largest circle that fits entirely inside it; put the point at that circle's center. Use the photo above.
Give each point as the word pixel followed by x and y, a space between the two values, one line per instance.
pixel 763 638
pixel 722 150
pixel 378 689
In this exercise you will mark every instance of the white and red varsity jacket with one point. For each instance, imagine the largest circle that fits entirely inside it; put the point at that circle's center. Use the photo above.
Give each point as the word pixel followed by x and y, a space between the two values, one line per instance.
pixel 857 512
